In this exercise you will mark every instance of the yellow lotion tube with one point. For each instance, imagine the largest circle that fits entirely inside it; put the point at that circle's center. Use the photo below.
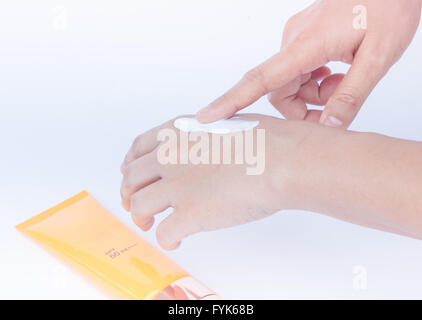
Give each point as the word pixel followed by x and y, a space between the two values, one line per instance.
pixel 83 231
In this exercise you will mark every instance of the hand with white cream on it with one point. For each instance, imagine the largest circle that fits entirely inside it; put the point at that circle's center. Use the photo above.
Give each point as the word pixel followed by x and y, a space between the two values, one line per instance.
pixel 376 183
pixel 370 35
pixel 204 196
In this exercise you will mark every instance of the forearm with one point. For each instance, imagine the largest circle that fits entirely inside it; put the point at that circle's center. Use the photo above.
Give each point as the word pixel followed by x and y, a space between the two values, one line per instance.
pixel 363 178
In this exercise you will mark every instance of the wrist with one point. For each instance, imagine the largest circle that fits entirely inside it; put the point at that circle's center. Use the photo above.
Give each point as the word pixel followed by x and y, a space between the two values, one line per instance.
pixel 309 169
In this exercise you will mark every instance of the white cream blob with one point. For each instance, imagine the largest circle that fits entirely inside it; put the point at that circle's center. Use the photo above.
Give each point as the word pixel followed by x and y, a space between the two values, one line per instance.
pixel 231 125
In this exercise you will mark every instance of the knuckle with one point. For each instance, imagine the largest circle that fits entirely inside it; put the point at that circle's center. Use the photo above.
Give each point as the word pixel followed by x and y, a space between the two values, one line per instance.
pixel 303 49
pixel 348 99
pixel 290 27
pixel 137 141
pixel 125 169
pixel 377 61
pixel 256 75
pixel 124 189
pixel 376 54
pixel 290 23
pixel 293 21
pixel 253 74
pixel 128 171
pixel 127 185
pixel 302 39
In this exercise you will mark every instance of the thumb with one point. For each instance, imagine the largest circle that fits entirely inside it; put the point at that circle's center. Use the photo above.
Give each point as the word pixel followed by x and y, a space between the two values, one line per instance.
pixel 366 71
pixel 172 230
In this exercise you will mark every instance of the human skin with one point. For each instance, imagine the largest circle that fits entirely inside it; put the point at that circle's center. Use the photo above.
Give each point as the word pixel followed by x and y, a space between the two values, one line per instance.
pixel 325 32
pixel 364 178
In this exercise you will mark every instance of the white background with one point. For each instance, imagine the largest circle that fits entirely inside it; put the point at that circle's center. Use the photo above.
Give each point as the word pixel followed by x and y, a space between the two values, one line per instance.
pixel 73 96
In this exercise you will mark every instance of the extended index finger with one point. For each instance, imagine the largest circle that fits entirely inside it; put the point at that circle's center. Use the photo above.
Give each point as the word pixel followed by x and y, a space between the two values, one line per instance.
pixel 293 60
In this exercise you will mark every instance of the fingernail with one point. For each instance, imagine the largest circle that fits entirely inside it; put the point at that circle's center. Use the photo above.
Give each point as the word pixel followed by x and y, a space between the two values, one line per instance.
pixel 332 122
pixel 126 205
pixel 149 224
pixel 176 245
